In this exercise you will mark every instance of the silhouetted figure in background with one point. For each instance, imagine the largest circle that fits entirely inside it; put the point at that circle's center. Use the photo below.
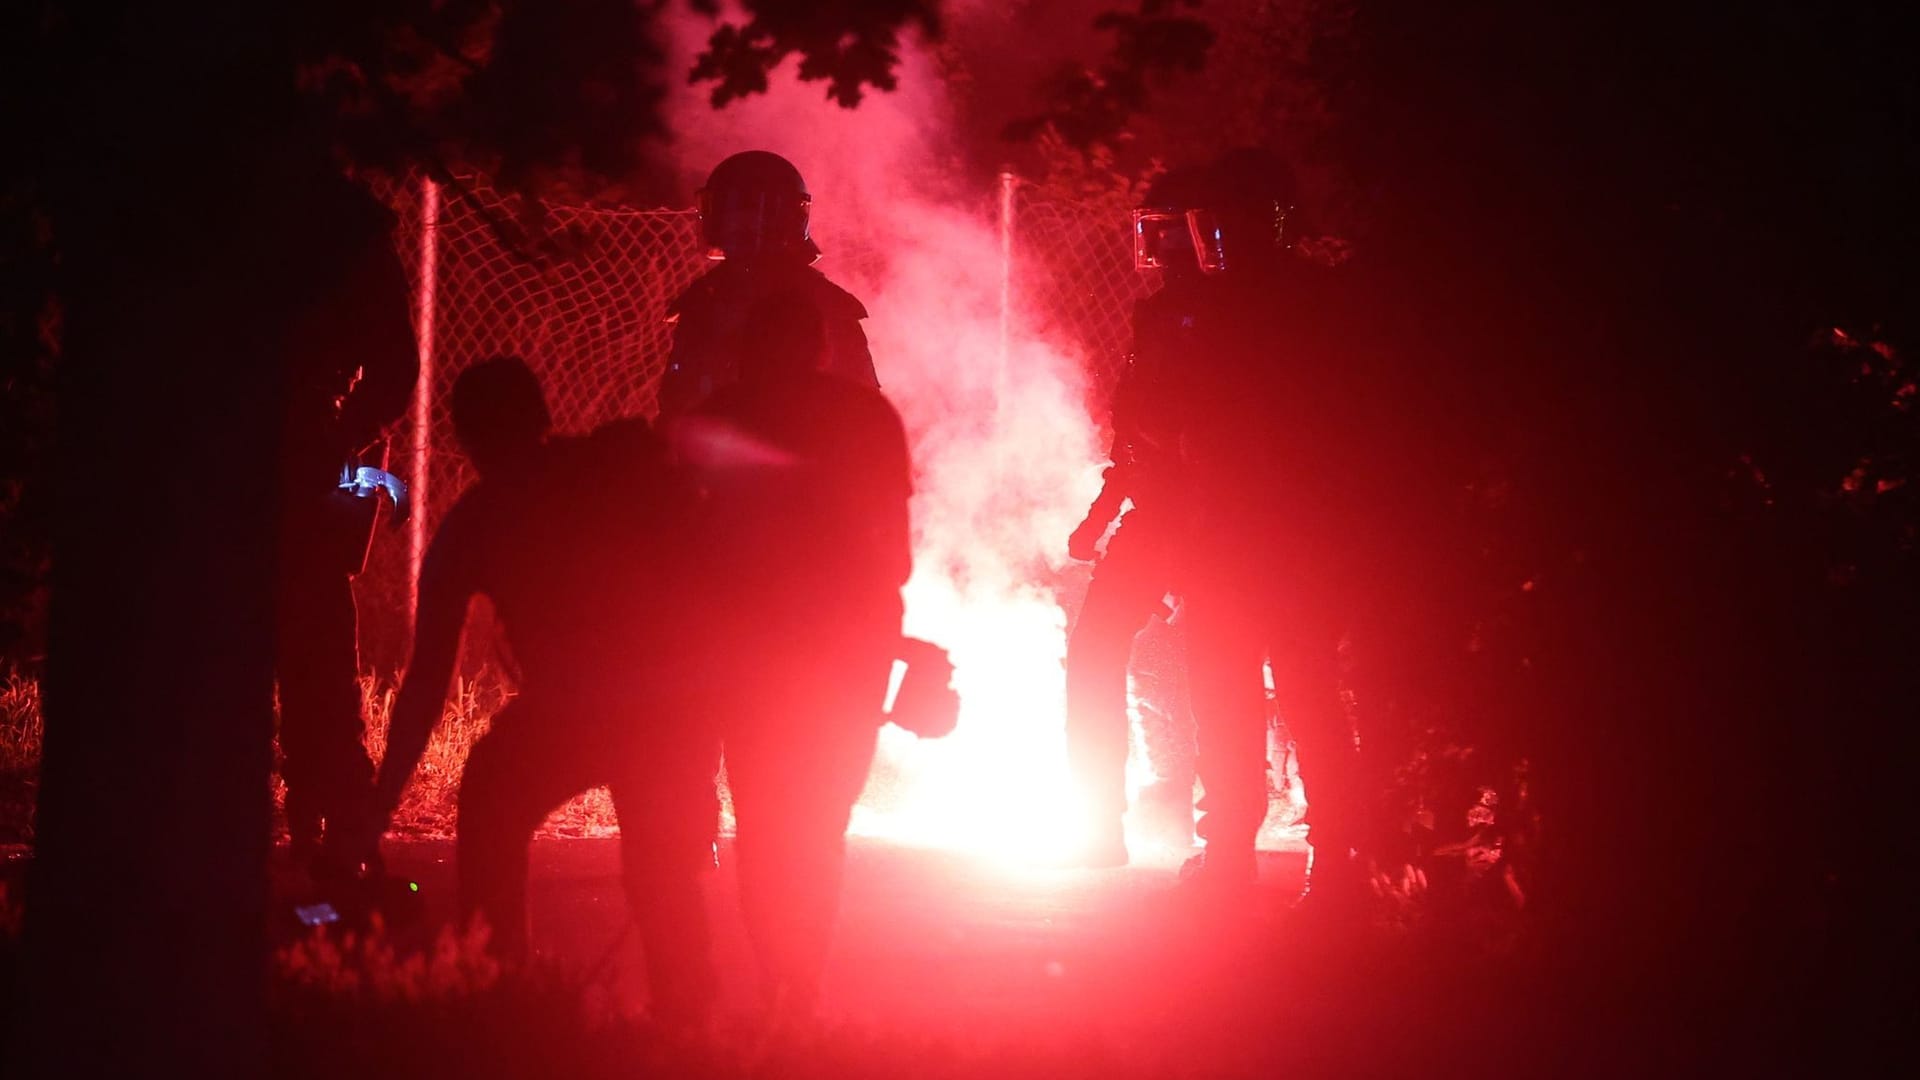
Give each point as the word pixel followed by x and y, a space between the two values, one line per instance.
pixel 754 214
pixel 1132 578
pixel 806 477
pixel 351 367
pixel 568 538
pixel 1279 560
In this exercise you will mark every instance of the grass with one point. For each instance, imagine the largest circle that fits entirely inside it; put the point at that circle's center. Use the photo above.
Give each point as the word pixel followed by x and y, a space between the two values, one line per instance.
pixel 1229 997
pixel 1444 988
pixel 21 731
pixel 21 726
pixel 1242 1005
pixel 427 809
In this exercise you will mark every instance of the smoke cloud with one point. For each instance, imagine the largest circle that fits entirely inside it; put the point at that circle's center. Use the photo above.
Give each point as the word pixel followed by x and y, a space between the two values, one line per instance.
pixel 1005 454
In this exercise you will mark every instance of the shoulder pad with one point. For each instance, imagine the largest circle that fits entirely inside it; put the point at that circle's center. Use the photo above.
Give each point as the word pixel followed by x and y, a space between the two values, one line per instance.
pixel 695 292
pixel 834 300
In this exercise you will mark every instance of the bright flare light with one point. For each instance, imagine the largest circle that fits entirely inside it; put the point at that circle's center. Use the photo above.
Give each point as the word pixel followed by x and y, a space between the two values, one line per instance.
pixel 999 784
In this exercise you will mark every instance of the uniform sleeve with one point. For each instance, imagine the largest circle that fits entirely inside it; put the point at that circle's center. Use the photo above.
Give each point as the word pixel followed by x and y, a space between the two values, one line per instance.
pixel 848 356
pixel 1129 390
pixel 895 490
pixel 680 382
pixel 374 314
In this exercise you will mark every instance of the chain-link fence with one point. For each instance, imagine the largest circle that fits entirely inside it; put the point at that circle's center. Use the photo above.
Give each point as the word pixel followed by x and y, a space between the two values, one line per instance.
pixel 1074 277
pixel 580 293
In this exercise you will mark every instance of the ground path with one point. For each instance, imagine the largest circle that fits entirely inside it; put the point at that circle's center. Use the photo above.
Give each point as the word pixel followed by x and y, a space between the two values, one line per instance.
pixel 925 935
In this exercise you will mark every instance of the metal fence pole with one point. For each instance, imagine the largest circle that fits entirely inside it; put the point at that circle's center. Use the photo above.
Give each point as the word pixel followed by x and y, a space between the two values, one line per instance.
pixel 426 282
pixel 1007 182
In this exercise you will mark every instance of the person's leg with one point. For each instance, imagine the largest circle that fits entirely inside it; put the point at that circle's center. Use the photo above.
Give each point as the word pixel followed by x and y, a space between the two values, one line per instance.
pixel 1306 685
pixel 326 769
pixel 1158 678
pixel 1128 585
pixel 1306 679
pixel 793 792
pixel 515 776
pixel 1225 650
pixel 669 815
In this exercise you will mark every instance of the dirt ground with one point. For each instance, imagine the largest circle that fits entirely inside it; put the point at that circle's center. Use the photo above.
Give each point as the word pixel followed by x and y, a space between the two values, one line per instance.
pixel 925 935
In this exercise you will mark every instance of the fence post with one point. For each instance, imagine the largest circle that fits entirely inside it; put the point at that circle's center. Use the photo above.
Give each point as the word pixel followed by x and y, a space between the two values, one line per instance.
pixel 1007 182
pixel 425 287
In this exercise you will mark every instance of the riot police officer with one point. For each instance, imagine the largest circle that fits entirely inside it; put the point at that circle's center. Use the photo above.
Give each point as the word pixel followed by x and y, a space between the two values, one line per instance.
pixel 805 545
pixel 1136 572
pixel 754 220
pixel 352 363
pixel 1278 559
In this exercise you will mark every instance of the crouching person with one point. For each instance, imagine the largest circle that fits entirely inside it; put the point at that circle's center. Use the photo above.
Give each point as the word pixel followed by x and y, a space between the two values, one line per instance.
pixel 566 537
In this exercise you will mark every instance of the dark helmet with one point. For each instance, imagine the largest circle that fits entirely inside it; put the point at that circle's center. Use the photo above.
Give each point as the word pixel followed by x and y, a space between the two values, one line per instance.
pixel 1162 235
pixel 755 203
pixel 1234 212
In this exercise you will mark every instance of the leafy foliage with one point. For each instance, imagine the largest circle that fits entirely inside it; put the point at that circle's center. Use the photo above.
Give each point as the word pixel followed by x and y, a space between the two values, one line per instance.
pixel 850 46
pixel 429 804
pixel 29 349
pixel 1094 105
pixel 564 96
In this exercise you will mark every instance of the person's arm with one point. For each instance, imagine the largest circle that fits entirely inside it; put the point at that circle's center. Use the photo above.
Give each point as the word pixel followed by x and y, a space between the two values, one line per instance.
pixel 1081 544
pixel 373 313
pixel 1117 477
pixel 445 589
pixel 689 356
pixel 896 492
pixel 1115 480
pixel 848 354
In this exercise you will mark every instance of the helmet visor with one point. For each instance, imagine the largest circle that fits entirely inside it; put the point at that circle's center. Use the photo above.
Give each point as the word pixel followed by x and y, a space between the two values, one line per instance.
pixel 744 224
pixel 1160 238
pixel 1208 236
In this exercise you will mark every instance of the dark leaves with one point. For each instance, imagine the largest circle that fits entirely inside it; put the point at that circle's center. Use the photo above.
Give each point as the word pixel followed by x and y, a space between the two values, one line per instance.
pixel 559 97
pixel 850 46
pixel 1090 107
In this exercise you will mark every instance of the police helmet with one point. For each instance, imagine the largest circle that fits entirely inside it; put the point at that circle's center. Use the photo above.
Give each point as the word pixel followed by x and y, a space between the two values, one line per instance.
pixel 755 203
pixel 1162 234
pixel 1232 215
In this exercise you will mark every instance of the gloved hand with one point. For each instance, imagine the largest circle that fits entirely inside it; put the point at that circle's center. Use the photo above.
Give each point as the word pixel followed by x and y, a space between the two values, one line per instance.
pixel 1081 545
pixel 1113 486
pixel 926 703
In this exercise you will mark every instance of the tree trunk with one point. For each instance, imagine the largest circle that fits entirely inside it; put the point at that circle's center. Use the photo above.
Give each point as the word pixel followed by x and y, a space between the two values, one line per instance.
pixel 145 935
pixel 146 905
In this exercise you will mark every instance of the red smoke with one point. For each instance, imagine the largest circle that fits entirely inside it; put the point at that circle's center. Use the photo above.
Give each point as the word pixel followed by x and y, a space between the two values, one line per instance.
pixel 1005 453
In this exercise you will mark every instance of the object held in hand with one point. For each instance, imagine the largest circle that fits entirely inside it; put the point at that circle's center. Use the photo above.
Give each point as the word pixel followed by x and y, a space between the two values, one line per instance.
pixel 1106 506
pixel 1082 545
pixel 927 703
pixel 366 482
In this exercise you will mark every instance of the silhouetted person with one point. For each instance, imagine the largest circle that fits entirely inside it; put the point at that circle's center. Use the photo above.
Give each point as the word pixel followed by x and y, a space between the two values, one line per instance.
pixel 569 539
pixel 806 479
pixel 1278 561
pixel 351 367
pixel 1132 578
pixel 754 214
